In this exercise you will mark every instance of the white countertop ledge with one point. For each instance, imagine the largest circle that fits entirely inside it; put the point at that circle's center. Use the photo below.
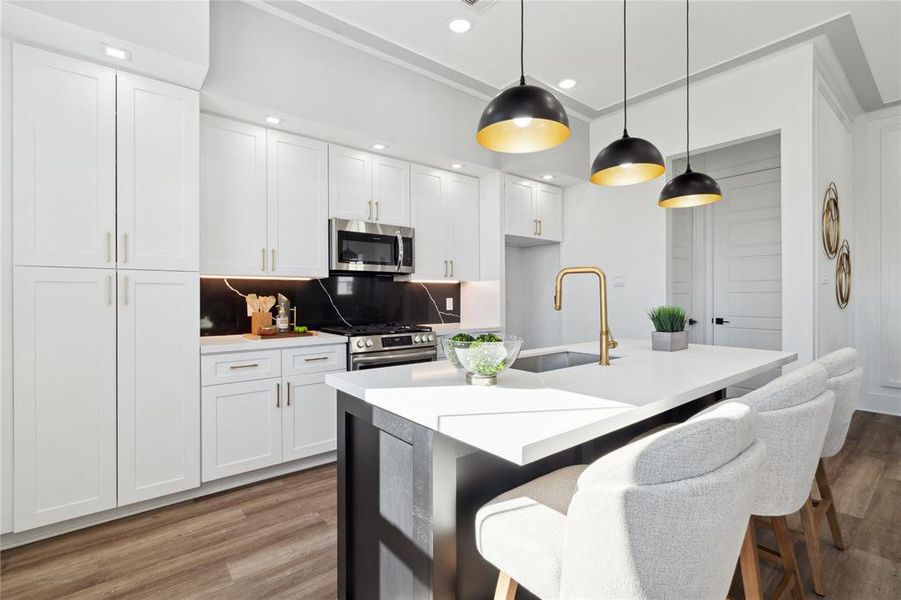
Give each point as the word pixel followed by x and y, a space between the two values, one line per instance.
pixel 528 416
pixel 215 344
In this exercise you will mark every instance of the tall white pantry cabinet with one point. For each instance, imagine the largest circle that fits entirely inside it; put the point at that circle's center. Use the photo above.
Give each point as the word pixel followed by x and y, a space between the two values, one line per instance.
pixel 105 288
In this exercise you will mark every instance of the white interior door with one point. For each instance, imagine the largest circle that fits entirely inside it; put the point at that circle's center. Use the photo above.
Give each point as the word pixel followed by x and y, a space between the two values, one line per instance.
pixel 64 394
pixel 159 384
pixel 232 198
pixel 310 418
pixel 298 205
pixel 681 268
pixel 391 190
pixel 350 184
pixel 430 251
pixel 158 202
pixel 747 264
pixel 64 174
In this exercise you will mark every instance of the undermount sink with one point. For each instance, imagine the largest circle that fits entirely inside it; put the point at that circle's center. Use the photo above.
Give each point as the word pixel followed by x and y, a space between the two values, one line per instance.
pixel 542 363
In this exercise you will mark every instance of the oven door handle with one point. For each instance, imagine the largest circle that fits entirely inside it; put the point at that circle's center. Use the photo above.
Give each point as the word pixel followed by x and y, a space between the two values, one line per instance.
pixel 392 356
pixel 400 250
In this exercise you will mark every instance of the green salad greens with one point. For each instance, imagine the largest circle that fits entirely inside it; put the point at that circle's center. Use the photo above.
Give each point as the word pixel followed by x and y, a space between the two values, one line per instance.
pixel 484 355
pixel 463 337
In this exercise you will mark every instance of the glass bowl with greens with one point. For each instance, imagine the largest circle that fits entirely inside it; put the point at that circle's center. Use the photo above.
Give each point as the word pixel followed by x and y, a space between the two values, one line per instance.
pixel 482 357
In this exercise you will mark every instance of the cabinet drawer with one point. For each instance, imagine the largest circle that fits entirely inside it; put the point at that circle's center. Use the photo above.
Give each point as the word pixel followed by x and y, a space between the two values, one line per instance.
pixel 314 359
pixel 240 366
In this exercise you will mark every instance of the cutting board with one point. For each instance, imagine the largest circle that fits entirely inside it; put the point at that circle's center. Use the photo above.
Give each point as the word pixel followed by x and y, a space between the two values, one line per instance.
pixel 278 336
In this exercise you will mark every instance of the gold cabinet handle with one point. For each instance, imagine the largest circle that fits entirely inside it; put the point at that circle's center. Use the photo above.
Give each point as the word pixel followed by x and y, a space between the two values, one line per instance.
pixel 125 291
pixel 315 358
pixel 272 264
pixel 109 246
pixel 278 395
pixel 124 247
pixel 452 268
pixel 288 402
pixel 109 290
pixel 369 216
pixel 247 366
pixel 445 268
pixel 263 260
pixel 376 210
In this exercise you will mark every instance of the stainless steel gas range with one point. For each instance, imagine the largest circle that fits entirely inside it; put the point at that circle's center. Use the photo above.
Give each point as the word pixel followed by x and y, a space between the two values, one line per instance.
pixel 372 346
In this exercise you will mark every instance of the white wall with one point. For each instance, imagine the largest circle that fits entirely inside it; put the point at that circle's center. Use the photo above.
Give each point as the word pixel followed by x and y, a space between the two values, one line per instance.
pixel 876 257
pixel 623 230
pixel 530 273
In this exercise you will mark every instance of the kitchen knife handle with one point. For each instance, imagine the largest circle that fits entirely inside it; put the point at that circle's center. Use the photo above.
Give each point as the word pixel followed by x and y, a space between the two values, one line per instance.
pixel 263 260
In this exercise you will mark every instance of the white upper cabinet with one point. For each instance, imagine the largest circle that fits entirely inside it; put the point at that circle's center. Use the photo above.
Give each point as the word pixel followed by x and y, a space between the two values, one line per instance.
pixel 64 172
pixel 446 220
pixel 367 187
pixel 158 384
pixel 64 394
pixel 391 191
pixel 297 205
pixel 431 233
pixel 157 175
pixel 233 215
pixel 533 210
pixel 350 184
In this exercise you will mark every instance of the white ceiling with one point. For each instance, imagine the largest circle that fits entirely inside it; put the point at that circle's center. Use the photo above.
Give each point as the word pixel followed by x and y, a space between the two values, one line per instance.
pixel 582 39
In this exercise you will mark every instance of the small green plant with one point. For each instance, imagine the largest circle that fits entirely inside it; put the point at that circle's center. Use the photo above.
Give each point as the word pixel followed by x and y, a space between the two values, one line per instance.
pixel 667 318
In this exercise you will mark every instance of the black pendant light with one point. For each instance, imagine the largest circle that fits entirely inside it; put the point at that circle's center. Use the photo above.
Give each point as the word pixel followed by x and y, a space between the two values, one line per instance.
pixel 690 188
pixel 627 160
pixel 524 118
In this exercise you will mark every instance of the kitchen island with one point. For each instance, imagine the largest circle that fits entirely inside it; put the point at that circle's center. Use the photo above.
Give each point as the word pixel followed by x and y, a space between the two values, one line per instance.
pixel 419 451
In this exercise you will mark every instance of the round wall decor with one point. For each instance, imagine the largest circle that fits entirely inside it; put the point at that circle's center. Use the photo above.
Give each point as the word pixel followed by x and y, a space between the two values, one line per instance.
pixel 843 275
pixel 831 221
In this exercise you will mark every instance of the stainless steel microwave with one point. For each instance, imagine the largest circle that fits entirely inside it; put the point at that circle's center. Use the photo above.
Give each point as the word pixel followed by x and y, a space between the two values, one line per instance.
pixel 370 247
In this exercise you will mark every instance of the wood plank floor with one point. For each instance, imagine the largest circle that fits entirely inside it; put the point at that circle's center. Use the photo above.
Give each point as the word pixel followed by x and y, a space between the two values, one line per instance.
pixel 276 539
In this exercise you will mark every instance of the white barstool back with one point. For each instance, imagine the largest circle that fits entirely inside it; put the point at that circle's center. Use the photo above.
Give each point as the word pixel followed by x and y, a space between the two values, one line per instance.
pixel 844 379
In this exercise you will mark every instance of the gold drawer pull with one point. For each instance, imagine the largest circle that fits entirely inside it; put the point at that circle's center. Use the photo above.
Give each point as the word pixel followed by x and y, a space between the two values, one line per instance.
pixel 315 358
pixel 247 366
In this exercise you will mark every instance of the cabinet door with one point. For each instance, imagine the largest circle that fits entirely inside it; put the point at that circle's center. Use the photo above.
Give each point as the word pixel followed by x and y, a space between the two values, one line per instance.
pixel 158 202
pixel 310 417
pixel 241 427
pixel 159 384
pixel 549 212
pixel 350 184
pixel 298 205
pixel 64 172
pixel 232 198
pixel 64 394
pixel 430 247
pixel 391 191
pixel 461 207
pixel 519 196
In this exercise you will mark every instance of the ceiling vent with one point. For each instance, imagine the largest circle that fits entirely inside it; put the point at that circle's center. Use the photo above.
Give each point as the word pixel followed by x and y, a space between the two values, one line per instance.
pixel 479 6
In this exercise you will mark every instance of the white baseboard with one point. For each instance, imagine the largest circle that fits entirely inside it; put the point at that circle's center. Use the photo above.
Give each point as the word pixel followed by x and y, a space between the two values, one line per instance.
pixel 877 403
pixel 11 540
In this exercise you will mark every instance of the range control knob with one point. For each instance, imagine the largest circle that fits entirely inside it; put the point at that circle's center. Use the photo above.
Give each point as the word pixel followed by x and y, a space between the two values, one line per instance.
pixel 360 343
pixel 368 343
pixel 416 339
pixel 431 338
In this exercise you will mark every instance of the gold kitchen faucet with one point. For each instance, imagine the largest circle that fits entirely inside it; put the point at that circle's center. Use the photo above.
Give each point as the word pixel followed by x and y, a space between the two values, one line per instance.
pixel 607 341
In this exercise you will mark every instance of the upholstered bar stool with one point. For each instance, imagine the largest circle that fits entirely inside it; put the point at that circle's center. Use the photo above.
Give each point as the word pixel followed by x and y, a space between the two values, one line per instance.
pixel 793 415
pixel 659 518
pixel 844 379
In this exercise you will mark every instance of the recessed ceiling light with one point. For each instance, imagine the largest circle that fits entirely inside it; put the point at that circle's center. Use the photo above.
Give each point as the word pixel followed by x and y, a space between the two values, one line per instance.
pixel 456 166
pixel 567 84
pixel 273 120
pixel 459 25
pixel 117 53
pixel 379 146
pixel 547 177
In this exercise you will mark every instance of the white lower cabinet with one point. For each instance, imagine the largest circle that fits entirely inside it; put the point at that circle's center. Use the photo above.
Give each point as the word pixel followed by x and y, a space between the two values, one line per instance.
pixel 251 423
pixel 64 458
pixel 241 427
pixel 159 392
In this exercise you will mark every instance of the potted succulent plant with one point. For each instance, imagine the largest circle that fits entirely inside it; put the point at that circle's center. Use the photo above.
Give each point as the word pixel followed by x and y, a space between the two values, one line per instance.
pixel 669 324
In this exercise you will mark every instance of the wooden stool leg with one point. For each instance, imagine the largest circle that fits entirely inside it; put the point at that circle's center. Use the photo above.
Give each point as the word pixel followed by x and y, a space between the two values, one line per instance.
pixel 747 562
pixel 831 516
pixel 506 587
pixel 814 553
pixel 787 553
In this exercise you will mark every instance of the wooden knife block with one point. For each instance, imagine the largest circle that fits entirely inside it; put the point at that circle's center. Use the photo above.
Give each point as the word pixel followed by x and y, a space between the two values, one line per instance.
pixel 258 320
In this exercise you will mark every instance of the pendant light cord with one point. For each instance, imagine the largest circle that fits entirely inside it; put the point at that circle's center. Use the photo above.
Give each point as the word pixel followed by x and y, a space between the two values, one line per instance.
pixel 522 42
pixel 687 99
pixel 625 50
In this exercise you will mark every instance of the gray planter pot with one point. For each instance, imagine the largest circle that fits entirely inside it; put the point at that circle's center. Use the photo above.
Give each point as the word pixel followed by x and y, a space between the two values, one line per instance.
pixel 669 341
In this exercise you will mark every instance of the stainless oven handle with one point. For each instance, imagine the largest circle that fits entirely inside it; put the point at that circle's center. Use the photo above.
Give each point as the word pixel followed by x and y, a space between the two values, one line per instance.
pixel 400 250
pixel 392 356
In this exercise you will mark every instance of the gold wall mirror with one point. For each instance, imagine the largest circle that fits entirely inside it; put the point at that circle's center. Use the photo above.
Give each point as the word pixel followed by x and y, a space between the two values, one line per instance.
pixel 831 221
pixel 843 275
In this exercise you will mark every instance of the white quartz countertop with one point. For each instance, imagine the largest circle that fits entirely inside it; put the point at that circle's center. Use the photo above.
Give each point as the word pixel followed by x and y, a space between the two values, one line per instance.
pixel 237 343
pixel 528 416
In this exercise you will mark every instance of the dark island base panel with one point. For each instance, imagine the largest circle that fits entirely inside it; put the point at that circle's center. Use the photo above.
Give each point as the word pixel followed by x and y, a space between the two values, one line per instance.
pixel 407 499
pixel 362 299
